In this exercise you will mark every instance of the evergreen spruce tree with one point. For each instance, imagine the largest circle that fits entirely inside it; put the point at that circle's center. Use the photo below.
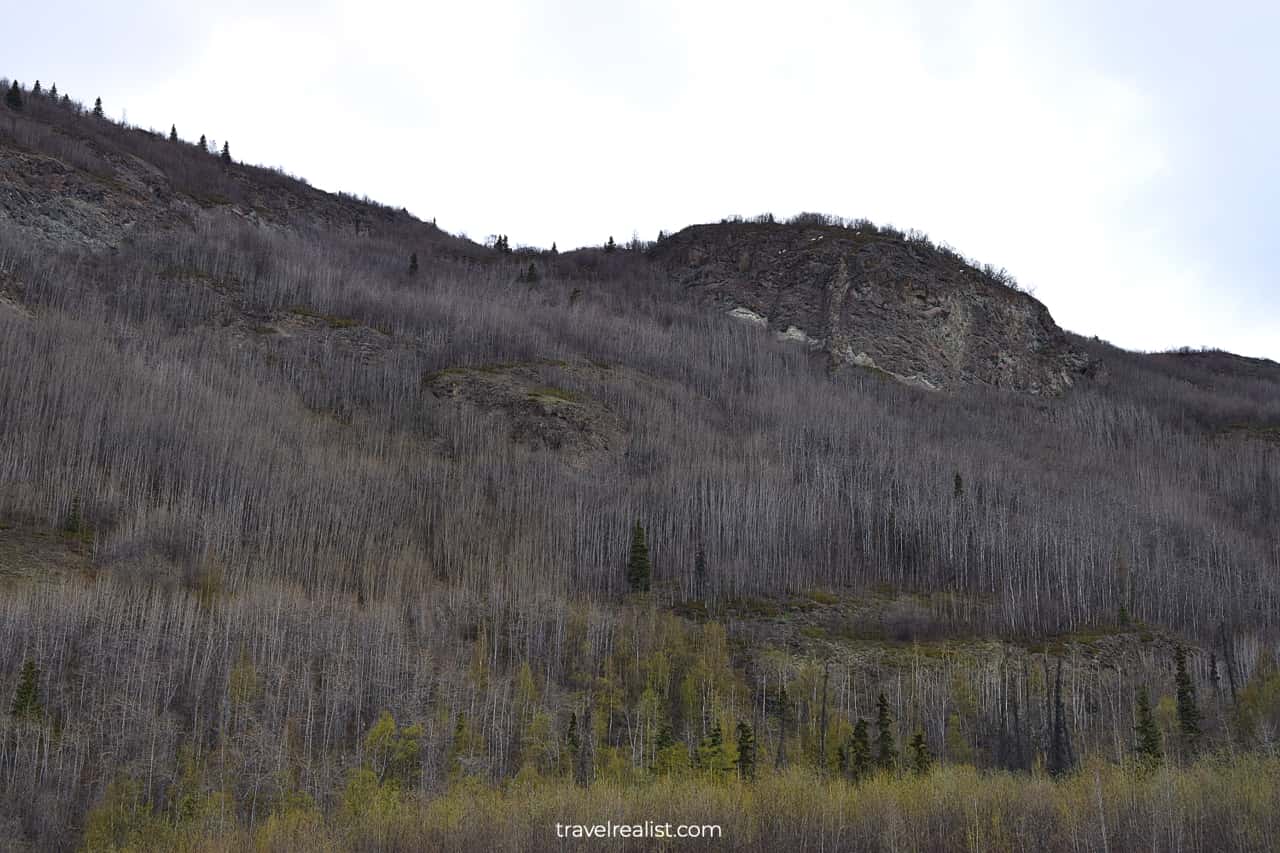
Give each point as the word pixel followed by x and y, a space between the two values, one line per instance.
pixel 711 755
pixel 886 750
pixel 1188 709
pixel 26 701
pixel 746 752
pixel 53 91
pixel 413 263
pixel 226 153
pixel 669 755
pixel 921 759
pixel 610 246
pixel 531 275
pixel 554 250
pixel 13 98
pixel 97 108
pixel 204 144
pixel 700 574
pixel 1147 749
pixel 173 133
pixel 36 90
pixel 958 486
pixel 571 741
pixel 859 752
pixel 1061 757
pixel 638 561
pixel 74 522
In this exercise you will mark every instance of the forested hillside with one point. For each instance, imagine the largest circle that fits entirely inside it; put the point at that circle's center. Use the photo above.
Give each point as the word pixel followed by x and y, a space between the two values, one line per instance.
pixel 322 527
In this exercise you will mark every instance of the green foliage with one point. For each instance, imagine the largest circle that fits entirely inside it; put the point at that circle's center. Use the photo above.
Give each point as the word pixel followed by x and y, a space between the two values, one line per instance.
pixel 366 799
pixel 465 746
pixel 394 753
pixel 886 748
pixel 123 819
pixel 671 757
pixel 1257 714
pixel 638 568
pixel 1147 749
pixel 959 751
pixel 26 700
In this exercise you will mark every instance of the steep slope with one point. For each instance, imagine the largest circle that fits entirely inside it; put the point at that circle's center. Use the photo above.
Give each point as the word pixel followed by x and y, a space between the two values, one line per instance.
pixel 873 298
pixel 260 483
pixel 69 178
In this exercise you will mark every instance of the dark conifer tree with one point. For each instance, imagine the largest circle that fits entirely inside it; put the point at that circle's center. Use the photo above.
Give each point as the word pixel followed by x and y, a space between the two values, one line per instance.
pixel 554 250
pixel 173 133
pixel 746 752
pixel 610 246
pixel 97 108
pixel 700 573
pixel 1188 709
pixel 74 522
pixel 226 153
pixel 886 749
pixel 36 90
pixel 413 263
pixel 921 759
pixel 26 701
pixel 531 275
pixel 711 755
pixel 638 568
pixel 13 98
pixel 958 486
pixel 784 726
pixel 1147 749
pixel 571 742
pixel 1061 756
pixel 859 752
pixel 204 144
pixel 53 91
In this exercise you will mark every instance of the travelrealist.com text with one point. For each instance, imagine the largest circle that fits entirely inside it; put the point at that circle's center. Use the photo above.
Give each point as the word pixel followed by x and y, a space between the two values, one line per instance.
pixel 648 829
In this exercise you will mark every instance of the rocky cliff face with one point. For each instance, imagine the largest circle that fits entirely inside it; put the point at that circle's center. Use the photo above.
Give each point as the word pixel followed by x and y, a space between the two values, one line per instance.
pixel 877 301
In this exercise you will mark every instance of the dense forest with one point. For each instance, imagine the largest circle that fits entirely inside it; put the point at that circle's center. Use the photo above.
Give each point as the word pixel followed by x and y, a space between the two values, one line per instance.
pixel 321 528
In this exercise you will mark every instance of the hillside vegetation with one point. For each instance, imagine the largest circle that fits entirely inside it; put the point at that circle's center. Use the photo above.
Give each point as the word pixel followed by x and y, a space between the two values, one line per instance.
pixel 306 544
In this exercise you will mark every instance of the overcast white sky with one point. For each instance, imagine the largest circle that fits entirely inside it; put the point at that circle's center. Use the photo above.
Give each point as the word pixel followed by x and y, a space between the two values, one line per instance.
pixel 1120 158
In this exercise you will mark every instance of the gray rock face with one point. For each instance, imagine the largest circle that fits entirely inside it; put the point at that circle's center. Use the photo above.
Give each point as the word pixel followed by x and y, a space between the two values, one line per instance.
pixel 877 301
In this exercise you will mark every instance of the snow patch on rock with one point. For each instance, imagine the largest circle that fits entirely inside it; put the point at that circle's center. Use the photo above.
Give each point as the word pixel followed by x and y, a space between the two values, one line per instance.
pixel 748 316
